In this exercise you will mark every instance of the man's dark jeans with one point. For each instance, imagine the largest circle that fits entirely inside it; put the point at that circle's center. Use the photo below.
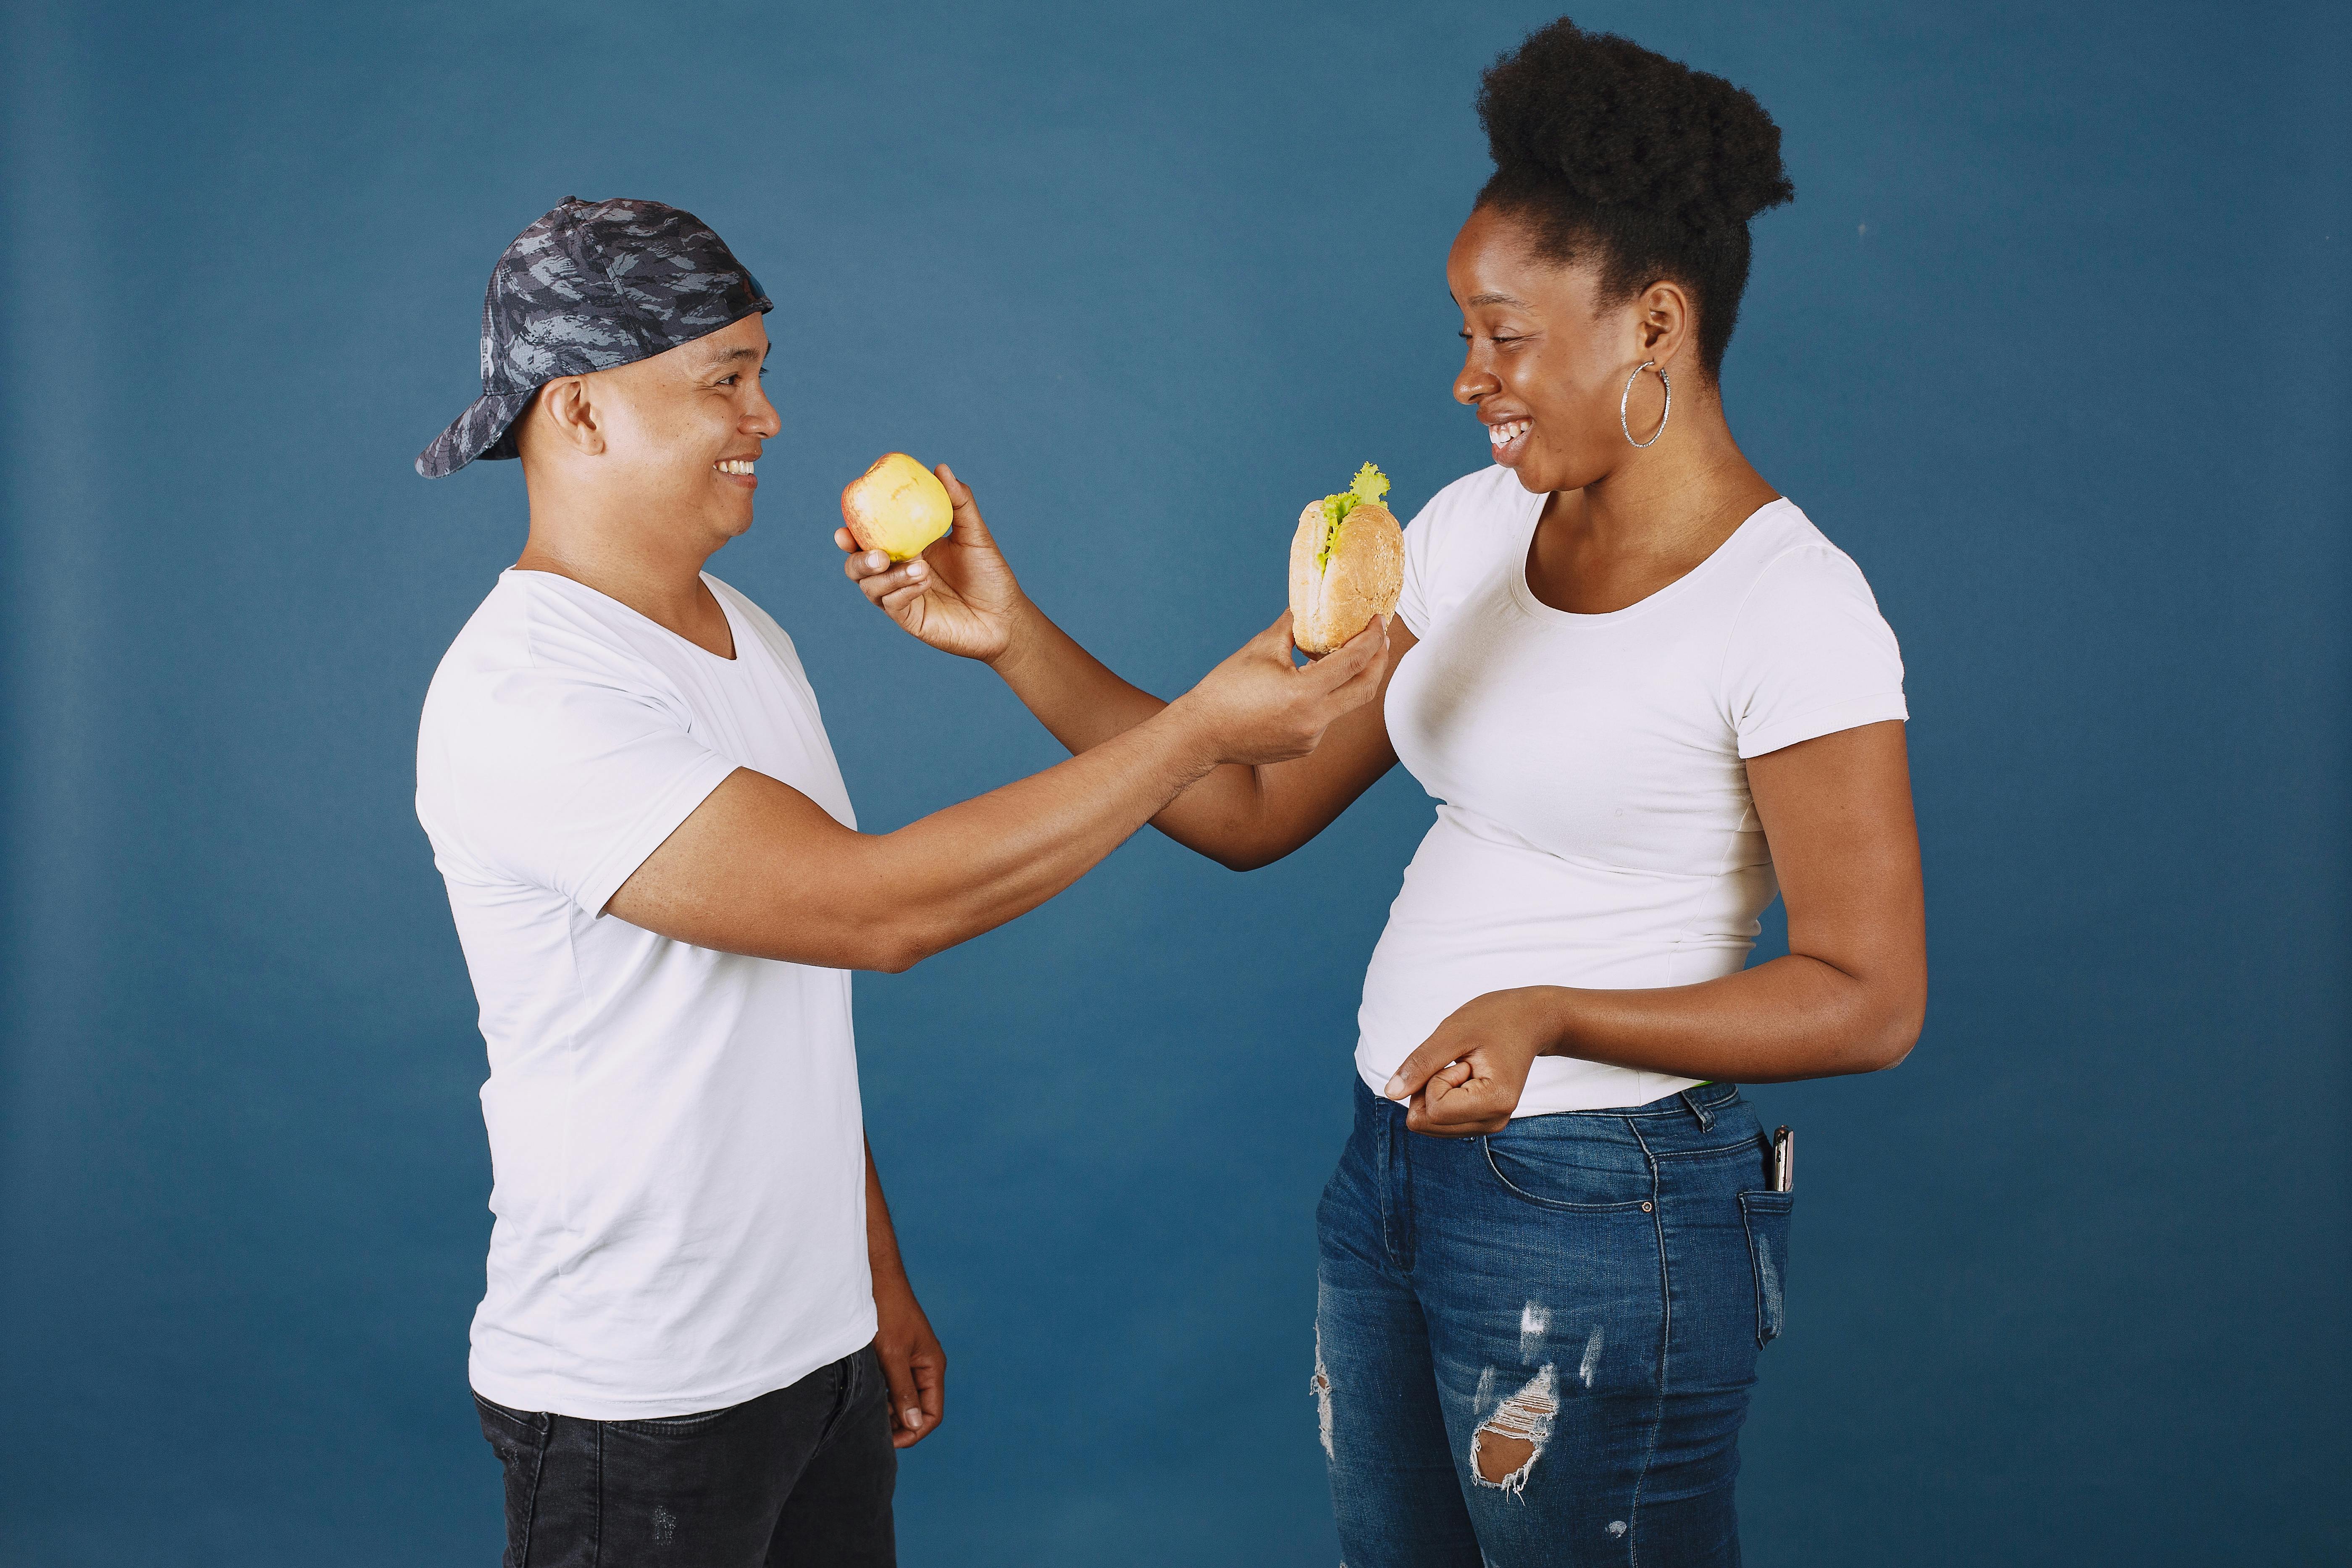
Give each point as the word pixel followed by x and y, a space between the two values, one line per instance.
pixel 801 1476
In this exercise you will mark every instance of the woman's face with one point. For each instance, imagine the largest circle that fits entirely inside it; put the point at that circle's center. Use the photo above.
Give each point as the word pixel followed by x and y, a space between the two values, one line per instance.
pixel 1545 364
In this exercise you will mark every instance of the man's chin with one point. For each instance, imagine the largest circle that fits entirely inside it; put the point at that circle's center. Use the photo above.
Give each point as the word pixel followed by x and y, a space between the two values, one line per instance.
pixel 731 522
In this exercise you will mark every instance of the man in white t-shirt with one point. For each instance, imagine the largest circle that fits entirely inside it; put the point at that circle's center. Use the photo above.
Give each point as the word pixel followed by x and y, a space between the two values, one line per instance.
pixel 697 1342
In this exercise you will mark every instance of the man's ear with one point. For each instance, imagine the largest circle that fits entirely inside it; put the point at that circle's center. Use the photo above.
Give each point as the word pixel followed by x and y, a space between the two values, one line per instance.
pixel 1667 322
pixel 565 411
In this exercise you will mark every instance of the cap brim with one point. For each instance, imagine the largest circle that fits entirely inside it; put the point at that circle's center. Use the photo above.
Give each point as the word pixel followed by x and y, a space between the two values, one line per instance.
pixel 484 430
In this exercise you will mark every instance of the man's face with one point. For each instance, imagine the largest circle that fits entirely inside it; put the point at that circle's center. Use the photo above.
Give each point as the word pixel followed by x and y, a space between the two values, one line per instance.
pixel 682 428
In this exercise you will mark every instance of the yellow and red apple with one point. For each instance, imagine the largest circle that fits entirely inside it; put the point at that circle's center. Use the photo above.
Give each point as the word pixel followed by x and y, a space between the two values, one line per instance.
pixel 898 507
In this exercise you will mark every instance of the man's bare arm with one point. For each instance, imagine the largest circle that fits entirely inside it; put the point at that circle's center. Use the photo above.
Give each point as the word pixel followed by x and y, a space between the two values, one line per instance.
pixel 913 1365
pixel 760 868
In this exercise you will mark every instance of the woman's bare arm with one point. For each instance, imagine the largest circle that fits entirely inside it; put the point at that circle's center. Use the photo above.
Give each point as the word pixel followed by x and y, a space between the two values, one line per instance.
pixel 962 598
pixel 1243 817
pixel 1850 996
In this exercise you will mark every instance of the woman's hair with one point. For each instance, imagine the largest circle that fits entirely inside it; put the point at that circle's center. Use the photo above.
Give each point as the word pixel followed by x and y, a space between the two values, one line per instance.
pixel 1645 167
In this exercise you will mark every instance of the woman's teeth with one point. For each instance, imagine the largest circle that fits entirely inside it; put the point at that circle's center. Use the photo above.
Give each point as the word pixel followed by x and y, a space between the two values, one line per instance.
pixel 1504 435
pixel 735 466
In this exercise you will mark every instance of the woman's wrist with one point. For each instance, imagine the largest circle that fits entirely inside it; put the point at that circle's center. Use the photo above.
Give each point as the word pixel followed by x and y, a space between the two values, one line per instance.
pixel 1020 640
pixel 1552 1015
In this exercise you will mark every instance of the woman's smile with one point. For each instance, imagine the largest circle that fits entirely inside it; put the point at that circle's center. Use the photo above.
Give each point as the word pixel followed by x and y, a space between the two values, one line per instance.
pixel 1508 437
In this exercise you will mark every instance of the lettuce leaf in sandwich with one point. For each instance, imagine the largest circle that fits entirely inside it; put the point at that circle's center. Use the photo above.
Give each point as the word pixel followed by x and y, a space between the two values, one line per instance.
pixel 1370 486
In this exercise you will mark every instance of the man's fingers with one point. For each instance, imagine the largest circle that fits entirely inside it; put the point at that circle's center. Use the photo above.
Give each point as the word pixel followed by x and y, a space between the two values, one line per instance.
pixel 905 1406
pixel 932 1388
pixel 1352 657
pixel 1359 688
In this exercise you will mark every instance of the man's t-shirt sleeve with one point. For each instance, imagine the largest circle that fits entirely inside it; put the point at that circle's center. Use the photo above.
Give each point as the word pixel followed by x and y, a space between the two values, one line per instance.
pixel 1810 654
pixel 564 780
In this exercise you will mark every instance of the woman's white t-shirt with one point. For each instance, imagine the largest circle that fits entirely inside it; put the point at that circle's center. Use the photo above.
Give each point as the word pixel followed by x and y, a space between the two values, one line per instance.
pixel 678 1166
pixel 1594 827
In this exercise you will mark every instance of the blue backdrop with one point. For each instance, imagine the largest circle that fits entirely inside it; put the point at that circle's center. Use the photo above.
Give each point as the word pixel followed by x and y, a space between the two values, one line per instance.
pixel 2053 341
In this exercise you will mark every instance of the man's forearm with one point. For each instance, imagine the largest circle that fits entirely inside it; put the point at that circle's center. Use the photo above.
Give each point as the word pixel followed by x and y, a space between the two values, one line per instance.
pixel 881 1237
pixel 974 865
pixel 1084 702
pixel 761 869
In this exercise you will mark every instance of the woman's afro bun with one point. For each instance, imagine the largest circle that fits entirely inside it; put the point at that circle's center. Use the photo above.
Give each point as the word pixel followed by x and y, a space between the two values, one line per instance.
pixel 1616 155
pixel 1622 127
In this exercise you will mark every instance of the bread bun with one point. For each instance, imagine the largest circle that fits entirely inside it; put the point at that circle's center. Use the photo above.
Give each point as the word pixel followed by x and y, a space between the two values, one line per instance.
pixel 1335 593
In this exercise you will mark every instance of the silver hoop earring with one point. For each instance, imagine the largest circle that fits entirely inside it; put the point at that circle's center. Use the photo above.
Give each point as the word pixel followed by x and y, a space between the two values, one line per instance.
pixel 1645 364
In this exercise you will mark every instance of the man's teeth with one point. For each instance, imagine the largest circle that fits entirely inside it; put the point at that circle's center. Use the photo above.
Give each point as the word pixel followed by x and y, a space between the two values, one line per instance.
pixel 1504 435
pixel 735 466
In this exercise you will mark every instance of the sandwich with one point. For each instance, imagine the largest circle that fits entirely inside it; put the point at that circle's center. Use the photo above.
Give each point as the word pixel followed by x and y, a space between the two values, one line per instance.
pixel 1347 564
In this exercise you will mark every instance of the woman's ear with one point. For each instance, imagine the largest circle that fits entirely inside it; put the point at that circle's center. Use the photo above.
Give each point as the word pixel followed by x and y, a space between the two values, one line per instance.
pixel 1665 324
pixel 566 412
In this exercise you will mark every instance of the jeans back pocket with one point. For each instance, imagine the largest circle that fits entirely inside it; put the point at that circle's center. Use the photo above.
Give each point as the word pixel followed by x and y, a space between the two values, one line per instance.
pixel 518 1437
pixel 1767 1215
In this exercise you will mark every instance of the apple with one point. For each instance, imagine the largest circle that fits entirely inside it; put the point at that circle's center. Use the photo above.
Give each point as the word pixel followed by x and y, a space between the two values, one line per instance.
pixel 898 507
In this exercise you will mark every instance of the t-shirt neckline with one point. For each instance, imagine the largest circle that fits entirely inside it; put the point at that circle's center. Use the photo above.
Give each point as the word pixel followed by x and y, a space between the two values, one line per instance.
pixel 1525 598
pixel 734 631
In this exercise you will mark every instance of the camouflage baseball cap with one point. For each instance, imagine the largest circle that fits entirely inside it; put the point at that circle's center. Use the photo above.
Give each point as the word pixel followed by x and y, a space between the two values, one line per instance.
pixel 589 286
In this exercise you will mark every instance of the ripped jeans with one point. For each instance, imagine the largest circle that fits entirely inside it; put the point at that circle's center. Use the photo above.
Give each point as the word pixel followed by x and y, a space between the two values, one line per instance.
pixel 1537 1347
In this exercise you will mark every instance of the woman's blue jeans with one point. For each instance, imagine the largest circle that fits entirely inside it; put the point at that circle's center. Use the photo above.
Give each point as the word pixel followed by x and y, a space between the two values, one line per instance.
pixel 1537 1347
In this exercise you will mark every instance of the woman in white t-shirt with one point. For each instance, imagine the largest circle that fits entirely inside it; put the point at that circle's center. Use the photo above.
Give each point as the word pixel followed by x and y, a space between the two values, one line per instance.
pixel 1648 694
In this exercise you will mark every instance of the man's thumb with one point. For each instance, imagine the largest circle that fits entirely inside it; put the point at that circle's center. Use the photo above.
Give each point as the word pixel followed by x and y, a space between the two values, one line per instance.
pixel 901 1379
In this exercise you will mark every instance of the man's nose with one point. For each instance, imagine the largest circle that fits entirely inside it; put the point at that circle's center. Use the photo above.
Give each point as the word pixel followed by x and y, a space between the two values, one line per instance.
pixel 764 420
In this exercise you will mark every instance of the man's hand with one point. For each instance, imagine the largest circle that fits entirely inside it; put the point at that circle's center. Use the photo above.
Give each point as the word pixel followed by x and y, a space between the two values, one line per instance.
pixel 959 595
pixel 1466 1079
pixel 912 1363
pixel 1257 706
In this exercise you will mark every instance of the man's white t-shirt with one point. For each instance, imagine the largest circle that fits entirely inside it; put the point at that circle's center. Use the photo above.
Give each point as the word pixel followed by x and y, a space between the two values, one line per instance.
pixel 676 1144
pixel 1594 827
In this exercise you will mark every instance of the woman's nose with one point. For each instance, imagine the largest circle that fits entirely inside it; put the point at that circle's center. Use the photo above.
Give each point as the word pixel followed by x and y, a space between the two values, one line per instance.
pixel 1474 382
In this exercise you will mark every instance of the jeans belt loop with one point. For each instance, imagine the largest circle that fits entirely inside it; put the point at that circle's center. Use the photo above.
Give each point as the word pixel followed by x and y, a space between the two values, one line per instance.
pixel 1705 1114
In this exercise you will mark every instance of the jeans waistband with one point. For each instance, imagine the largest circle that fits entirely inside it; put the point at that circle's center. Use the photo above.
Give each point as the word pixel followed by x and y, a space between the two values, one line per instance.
pixel 1703 1102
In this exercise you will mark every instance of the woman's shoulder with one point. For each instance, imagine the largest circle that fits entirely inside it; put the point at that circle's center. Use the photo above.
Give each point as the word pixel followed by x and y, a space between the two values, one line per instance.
pixel 1487 499
pixel 1456 538
pixel 1781 555
pixel 1478 515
